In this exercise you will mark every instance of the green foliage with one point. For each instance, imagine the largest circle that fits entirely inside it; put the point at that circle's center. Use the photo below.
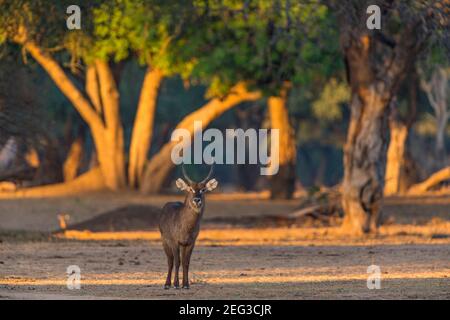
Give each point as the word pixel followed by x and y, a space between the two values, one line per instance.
pixel 214 42
pixel 145 29
pixel 111 30
pixel 265 43
pixel 43 20
pixel 328 105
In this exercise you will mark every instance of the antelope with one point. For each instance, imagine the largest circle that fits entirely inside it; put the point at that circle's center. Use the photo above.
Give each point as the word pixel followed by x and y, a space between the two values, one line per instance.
pixel 179 225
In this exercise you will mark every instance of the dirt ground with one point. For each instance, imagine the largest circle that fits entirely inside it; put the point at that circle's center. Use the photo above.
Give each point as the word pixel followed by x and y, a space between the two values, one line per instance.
pixel 230 261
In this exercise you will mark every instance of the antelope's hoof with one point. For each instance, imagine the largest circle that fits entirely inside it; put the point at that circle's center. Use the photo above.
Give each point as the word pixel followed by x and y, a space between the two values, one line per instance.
pixel 176 286
pixel 186 287
pixel 166 286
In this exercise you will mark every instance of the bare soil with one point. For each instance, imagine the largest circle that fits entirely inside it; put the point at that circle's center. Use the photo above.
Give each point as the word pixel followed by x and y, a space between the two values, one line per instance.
pixel 238 255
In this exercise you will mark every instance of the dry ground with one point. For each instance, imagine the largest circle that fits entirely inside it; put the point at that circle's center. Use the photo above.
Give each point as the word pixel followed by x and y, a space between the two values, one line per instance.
pixel 413 252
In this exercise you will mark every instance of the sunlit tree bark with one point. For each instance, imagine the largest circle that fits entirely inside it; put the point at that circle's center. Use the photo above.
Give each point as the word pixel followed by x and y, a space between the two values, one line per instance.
pixel 110 152
pixel 432 181
pixel 105 127
pixel 143 126
pixel 395 157
pixel 282 184
pixel 400 169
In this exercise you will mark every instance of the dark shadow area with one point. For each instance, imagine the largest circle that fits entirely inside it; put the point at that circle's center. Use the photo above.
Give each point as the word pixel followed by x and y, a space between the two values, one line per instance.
pixel 128 218
pixel 417 209
pixel 146 217
pixel 142 217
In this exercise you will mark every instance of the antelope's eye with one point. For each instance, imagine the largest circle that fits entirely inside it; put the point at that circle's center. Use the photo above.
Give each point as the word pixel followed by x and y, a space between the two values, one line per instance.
pixel 202 190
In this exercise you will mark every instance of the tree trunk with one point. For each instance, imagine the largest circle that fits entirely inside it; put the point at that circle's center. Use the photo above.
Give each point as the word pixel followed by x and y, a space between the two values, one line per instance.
pixel 395 157
pixel 400 167
pixel 364 160
pixel 376 64
pixel 143 126
pixel 365 148
pixel 103 121
pixel 282 184
pixel 161 164
pixel 374 83
pixel 109 139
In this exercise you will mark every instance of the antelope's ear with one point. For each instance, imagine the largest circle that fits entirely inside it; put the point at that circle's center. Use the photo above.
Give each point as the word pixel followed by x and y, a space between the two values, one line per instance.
pixel 212 184
pixel 181 184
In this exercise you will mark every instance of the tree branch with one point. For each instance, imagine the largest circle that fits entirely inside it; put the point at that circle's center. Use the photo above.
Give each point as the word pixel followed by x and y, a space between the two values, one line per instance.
pixel 92 88
pixel 63 82
pixel 109 94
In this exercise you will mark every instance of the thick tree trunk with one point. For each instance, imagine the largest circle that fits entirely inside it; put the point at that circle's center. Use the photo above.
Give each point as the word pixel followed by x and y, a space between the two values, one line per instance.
pixel 143 126
pixel 365 148
pixel 282 184
pixel 161 164
pixel 364 161
pixel 376 64
pixel 374 83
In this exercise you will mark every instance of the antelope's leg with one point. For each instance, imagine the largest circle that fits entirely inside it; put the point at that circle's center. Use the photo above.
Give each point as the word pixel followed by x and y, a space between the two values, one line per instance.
pixel 186 252
pixel 176 256
pixel 169 255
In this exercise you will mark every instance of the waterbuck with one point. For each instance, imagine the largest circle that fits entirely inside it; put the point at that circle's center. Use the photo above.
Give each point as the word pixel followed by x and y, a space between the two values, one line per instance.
pixel 180 224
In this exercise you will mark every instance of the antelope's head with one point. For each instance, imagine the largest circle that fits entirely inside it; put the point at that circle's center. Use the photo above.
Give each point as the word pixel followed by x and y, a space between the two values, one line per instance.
pixel 195 197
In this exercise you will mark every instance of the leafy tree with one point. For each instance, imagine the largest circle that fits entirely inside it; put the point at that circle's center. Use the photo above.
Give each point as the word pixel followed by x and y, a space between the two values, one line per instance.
pixel 112 32
pixel 271 46
pixel 24 23
pixel 147 30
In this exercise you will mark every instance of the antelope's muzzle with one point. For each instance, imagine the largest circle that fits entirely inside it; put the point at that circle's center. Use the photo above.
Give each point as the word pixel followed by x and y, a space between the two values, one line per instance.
pixel 197 202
